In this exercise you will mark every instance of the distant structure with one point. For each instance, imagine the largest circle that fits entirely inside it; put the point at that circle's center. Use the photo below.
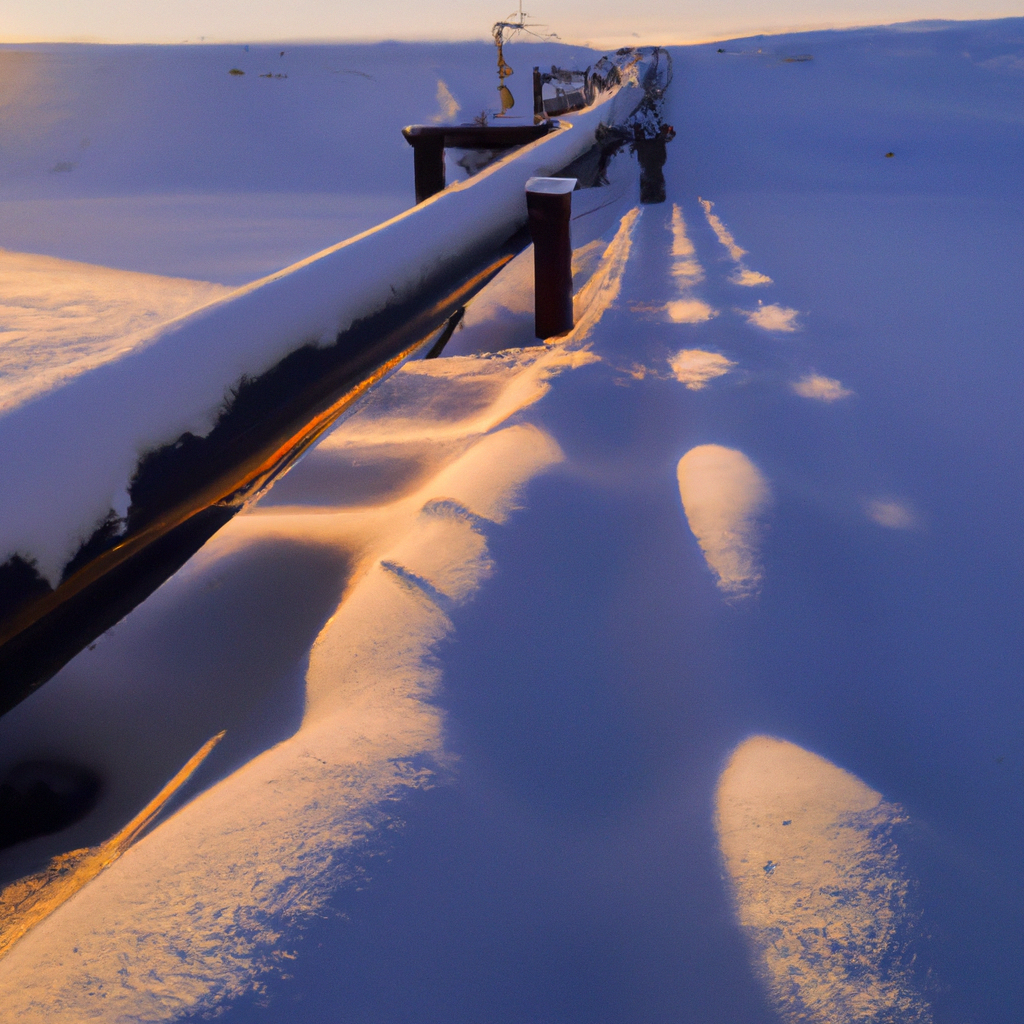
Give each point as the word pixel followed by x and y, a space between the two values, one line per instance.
pixel 502 32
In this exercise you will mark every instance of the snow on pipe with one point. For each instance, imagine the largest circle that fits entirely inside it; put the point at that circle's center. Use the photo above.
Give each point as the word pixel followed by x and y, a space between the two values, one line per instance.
pixel 133 440
pixel 67 458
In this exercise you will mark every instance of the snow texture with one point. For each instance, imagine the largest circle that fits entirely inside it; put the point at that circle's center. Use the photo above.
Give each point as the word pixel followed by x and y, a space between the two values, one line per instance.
pixel 598 691
pixel 369 729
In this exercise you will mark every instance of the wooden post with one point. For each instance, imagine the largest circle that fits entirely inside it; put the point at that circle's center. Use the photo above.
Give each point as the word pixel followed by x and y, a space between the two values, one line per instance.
pixel 428 166
pixel 429 142
pixel 549 205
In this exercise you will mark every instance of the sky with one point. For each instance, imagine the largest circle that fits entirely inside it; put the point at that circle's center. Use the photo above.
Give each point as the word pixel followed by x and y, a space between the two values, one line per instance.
pixel 596 22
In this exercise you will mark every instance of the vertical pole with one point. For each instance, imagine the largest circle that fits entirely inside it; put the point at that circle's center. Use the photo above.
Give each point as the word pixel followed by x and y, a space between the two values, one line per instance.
pixel 549 205
pixel 428 165
pixel 651 154
pixel 538 97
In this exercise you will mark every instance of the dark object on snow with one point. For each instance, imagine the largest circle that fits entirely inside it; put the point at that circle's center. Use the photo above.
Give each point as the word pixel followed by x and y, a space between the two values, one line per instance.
pixel 590 169
pixel 644 131
pixel 549 205
pixel 430 141
pixel 571 90
pixel 890 154
pixel 651 154
pixel 650 132
pixel 563 102
pixel 446 334
pixel 236 71
pixel 38 798
pixel 20 583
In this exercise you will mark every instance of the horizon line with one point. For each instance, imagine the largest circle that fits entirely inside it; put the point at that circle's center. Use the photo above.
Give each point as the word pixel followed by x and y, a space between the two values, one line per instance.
pixel 597 43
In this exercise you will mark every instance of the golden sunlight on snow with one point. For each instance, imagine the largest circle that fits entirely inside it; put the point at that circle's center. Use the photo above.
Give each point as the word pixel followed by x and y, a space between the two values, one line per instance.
pixel 742 276
pixel 202 901
pixel 441 558
pixel 721 231
pixel 687 309
pixel 200 909
pixel 817 885
pixel 604 285
pixel 823 389
pixel 694 367
pixel 749 278
pixel 684 262
pixel 722 493
pixel 30 900
pixel 59 318
pixel 772 317
pixel 485 391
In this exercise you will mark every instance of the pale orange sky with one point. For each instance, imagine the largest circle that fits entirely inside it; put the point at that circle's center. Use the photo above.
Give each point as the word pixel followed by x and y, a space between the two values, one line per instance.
pixel 598 22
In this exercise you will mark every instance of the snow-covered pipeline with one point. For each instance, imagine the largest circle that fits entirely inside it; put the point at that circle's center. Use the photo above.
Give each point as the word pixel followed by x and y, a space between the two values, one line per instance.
pixel 66 458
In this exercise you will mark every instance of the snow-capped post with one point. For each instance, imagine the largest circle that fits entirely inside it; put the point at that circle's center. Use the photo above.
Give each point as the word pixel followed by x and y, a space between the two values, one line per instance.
pixel 549 205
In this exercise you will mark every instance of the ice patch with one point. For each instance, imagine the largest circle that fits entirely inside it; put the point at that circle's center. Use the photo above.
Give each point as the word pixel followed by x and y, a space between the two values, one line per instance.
pixel 772 317
pixel 823 389
pixel 722 493
pixel 695 367
pixel 818 888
